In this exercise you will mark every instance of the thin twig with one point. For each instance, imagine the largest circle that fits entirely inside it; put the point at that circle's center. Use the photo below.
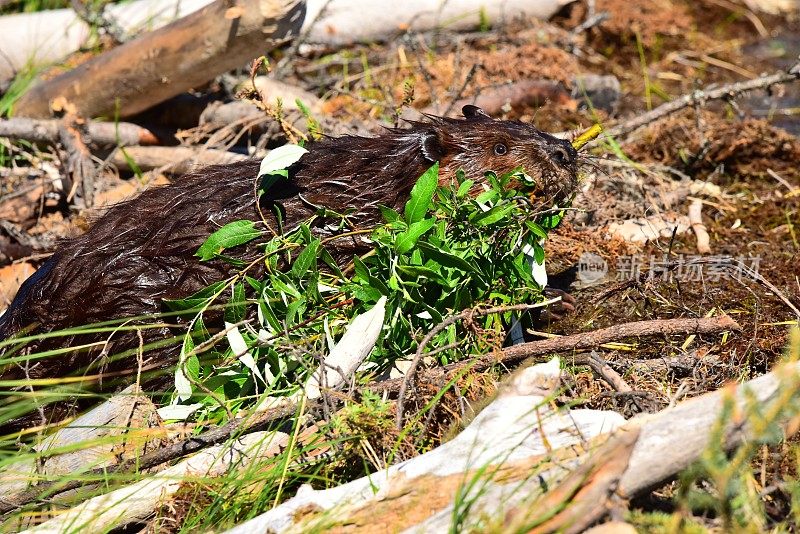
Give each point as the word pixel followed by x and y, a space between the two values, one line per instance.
pixel 466 314
pixel 589 23
pixel 735 266
pixel 180 449
pixel 604 371
pixel 701 96
pixel 467 80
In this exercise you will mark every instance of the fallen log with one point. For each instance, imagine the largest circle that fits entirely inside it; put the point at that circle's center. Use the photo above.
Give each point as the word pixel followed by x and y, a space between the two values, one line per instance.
pixel 500 447
pixel 39 39
pixel 120 429
pixel 43 38
pixel 503 478
pixel 141 500
pixel 675 438
pixel 164 63
pixel 343 22
pixel 172 159
pixel 100 133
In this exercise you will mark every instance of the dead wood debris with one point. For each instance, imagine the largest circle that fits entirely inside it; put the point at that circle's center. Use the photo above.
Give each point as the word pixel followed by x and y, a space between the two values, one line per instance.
pixel 78 164
pixel 174 159
pixel 744 146
pixel 575 484
pixel 257 421
pixel 699 97
pixel 101 133
pixel 230 36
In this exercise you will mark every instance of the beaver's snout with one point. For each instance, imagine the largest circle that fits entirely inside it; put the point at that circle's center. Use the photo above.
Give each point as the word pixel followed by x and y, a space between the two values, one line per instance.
pixel 562 180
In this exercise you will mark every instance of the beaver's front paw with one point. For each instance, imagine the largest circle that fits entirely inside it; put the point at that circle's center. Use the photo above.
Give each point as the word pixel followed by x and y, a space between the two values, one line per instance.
pixel 557 310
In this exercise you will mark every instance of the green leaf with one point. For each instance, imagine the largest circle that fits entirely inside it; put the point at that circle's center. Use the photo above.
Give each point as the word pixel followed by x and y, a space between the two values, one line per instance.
pixel 494 181
pixel 235 311
pixel 270 318
pixel 232 234
pixel 305 231
pixel 444 258
pixel 366 294
pixel 388 214
pixel 422 194
pixel 550 221
pixel 394 285
pixel 285 287
pixel 328 260
pixel 414 272
pixel 295 308
pixel 464 188
pixel 305 260
pixel 273 166
pixel 192 367
pixel 536 230
pixel 538 253
pixel 194 301
pixel 254 283
pixel 266 181
pixel 492 216
pixel 280 158
pixel 486 196
pixel 406 240
pixel 362 271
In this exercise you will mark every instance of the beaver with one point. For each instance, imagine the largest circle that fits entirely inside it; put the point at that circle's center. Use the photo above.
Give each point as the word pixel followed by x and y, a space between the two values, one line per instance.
pixel 142 251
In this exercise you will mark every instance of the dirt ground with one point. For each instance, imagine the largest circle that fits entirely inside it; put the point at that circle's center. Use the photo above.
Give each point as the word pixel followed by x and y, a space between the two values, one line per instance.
pixel 738 158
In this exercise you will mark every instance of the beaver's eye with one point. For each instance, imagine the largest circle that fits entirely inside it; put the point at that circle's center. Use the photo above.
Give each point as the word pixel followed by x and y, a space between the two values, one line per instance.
pixel 500 149
pixel 561 156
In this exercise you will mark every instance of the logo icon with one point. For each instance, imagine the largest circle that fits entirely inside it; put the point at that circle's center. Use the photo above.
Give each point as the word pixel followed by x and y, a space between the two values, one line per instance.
pixel 592 269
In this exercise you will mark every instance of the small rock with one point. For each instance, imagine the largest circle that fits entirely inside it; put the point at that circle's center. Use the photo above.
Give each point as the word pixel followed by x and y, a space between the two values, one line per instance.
pixel 602 92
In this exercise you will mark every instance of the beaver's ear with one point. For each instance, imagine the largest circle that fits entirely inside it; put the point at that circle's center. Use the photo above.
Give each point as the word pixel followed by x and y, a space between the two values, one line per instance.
pixel 432 147
pixel 475 113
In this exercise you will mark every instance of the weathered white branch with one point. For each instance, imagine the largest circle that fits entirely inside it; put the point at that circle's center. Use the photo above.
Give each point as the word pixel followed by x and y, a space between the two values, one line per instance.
pixel 520 437
pixel 114 430
pixel 46 37
pixel 673 439
pixel 696 221
pixel 36 39
pixel 516 428
pixel 349 21
pixel 140 500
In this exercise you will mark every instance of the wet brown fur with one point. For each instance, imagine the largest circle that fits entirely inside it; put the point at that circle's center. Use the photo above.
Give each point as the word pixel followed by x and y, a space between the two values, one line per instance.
pixel 142 250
